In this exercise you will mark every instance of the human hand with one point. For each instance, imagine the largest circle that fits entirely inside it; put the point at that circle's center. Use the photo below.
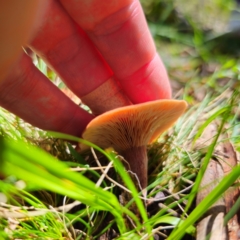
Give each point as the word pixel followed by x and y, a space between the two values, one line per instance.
pixel 89 44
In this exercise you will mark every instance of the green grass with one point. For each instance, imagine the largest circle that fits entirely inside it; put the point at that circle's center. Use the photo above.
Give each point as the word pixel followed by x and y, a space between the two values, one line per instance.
pixel 178 160
pixel 77 197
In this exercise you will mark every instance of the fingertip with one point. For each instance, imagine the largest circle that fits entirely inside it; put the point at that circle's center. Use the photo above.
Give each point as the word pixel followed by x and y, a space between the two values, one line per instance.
pixel 149 83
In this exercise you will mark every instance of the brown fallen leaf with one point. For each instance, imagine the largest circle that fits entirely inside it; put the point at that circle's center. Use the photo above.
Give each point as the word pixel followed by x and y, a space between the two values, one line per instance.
pixel 228 161
pixel 212 223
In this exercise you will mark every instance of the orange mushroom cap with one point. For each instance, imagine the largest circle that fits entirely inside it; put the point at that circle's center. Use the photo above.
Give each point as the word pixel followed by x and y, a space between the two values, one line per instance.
pixel 133 126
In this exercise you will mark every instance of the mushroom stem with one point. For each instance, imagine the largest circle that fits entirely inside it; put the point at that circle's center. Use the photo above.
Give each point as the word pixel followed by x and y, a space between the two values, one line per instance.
pixel 137 163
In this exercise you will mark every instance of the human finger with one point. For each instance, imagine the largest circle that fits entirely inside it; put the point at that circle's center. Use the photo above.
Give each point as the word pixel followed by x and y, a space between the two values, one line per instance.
pixel 71 54
pixel 30 95
pixel 120 32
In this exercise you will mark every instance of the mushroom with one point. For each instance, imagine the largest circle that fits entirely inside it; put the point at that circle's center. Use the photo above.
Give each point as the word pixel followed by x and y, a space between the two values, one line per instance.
pixel 129 129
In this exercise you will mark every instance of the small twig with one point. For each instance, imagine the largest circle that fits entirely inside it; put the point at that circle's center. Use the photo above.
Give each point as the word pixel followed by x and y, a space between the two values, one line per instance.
pixel 78 231
pixel 163 206
pixel 76 169
pixel 182 209
pixel 109 178
pixel 146 236
pixel 104 173
pixel 171 194
pixel 5 205
pixel 68 207
pixel 139 184
pixel 156 231
pixel 12 214
pixel 131 221
pixel 187 180
pixel 63 211
pixel 11 210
